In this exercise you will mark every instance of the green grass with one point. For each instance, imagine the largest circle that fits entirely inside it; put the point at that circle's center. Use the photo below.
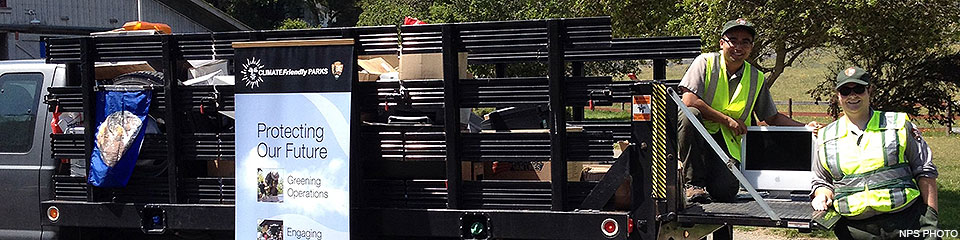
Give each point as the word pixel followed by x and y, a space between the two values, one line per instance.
pixel 786 233
pixel 946 154
pixel 808 71
pixel 674 71
pixel 599 114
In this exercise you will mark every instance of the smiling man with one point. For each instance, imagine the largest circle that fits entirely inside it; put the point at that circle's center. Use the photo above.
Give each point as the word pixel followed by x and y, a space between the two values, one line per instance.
pixel 723 90
pixel 874 168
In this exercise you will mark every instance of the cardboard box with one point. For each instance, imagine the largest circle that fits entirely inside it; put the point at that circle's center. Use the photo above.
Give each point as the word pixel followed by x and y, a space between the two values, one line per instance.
pixel 618 148
pixel 221 168
pixel 517 171
pixel 200 68
pixel 595 172
pixel 472 171
pixel 393 60
pixel 104 71
pixel 429 66
pixel 365 76
pixel 372 68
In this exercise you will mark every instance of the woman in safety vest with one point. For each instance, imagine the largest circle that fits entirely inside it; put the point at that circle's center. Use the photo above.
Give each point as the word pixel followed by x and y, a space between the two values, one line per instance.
pixel 874 169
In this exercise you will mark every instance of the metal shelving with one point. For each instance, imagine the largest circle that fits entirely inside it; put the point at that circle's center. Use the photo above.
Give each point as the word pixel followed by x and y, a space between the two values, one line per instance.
pixel 410 168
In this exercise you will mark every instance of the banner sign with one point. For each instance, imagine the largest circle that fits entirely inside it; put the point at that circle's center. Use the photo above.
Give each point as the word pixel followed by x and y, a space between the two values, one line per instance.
pixel 293 119
pixel 121 118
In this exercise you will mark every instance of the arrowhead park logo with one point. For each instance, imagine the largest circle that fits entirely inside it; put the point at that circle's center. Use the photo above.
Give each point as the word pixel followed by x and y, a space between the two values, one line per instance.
pixel 337 68
pixel 850 71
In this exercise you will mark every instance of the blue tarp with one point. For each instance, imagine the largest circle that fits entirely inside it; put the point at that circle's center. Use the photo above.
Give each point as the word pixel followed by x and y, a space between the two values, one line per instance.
pixel 120 120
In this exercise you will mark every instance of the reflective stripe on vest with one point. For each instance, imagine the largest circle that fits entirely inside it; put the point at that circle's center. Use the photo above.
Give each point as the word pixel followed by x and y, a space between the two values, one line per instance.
pixel 713 72
pixel 739 105
pixel 869 170
pixel 892 147
pixel 831 150
pixel 880 200
pixel 897 197
pixel 881 178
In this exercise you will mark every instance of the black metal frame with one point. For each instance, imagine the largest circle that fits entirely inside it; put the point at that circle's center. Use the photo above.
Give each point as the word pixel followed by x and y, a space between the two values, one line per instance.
pixel 504 224
pixel 556 73
pixel 407 200
pixel 170 64
pixel 451 113
pixel 127 215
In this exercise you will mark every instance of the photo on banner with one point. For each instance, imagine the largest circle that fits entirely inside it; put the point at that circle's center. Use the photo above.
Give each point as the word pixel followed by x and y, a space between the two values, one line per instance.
pixel 269 185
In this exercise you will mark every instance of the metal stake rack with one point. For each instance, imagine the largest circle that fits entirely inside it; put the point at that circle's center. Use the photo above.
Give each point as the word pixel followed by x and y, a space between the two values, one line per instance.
pixel 408 178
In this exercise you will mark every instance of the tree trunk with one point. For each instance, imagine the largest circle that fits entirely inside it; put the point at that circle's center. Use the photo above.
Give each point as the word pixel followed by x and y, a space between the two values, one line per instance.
pixel 779 65
pixel 311 13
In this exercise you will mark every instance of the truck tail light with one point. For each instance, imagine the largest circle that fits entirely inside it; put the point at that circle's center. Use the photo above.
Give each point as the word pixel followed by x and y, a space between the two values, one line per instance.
pixel 610 227
pixel 629 226
pixel 53 213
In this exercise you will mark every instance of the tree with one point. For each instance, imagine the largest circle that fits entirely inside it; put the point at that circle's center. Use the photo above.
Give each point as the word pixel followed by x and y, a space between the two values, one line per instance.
pixel 270 14
pixel 905 42
pixel 294 23
pixel 386 12
pixel 258 14
pixel 786 28
pixel 391 12
pixel 629 17
pixel 907 47
pixel 331 13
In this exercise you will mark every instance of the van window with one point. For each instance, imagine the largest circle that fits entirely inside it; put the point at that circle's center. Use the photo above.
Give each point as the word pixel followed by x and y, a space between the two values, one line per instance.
pixel 19 100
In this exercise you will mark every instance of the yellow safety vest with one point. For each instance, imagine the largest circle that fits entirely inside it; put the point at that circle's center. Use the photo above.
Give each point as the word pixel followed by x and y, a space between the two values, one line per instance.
pixel 738 106
pixel 872 174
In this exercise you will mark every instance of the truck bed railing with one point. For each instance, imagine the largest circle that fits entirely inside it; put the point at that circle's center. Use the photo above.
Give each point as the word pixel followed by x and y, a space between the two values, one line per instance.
pixel 410 169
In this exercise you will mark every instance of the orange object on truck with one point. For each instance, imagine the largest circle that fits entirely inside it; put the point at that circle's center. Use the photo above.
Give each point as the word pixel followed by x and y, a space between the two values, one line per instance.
pixel 141 25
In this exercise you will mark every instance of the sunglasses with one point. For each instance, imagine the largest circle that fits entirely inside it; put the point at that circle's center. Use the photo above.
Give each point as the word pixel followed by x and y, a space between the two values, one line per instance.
pixel 858 89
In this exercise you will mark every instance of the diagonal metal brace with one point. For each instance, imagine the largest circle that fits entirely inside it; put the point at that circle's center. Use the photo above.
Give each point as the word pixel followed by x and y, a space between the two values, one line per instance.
pixel 722 156
pixel 608 185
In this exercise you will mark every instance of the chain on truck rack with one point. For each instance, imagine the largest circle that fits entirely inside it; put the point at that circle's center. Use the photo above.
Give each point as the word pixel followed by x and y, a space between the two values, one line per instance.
pixel 411 184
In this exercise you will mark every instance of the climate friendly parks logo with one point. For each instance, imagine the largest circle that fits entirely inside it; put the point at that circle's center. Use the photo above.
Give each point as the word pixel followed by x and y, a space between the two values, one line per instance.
pixel 251 73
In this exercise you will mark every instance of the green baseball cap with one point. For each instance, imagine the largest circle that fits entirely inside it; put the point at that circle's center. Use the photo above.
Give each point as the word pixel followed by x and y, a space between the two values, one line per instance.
pixel 853 75
pixel 739 23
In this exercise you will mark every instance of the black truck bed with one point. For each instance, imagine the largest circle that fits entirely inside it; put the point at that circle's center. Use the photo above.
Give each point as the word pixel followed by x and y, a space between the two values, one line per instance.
pixel 793 214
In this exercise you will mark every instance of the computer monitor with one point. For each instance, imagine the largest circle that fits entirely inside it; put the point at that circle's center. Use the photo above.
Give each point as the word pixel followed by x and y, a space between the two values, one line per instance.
pixel 778 158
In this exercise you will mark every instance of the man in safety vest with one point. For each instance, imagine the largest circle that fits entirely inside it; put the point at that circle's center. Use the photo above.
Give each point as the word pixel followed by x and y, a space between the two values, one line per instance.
pixel 874 169
pixel 722 90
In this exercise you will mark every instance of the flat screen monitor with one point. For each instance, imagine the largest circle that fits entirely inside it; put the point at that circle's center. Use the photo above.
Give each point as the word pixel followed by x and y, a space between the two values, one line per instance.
pixel 778 158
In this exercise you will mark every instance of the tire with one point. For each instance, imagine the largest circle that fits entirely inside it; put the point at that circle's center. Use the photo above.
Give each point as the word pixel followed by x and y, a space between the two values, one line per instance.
pixel 139 78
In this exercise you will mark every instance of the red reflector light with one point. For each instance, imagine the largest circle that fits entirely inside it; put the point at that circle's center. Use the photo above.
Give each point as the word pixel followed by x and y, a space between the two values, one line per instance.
pixel 53 213
pixel 610 227
pixel 629 226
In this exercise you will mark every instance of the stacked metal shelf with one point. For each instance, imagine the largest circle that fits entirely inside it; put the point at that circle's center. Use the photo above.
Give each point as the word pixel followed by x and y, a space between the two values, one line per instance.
pixel 401 166
pixel 501 43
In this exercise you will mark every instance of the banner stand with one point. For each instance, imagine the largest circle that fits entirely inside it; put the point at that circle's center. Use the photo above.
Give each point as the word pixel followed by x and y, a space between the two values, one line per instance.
pixel 294 122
